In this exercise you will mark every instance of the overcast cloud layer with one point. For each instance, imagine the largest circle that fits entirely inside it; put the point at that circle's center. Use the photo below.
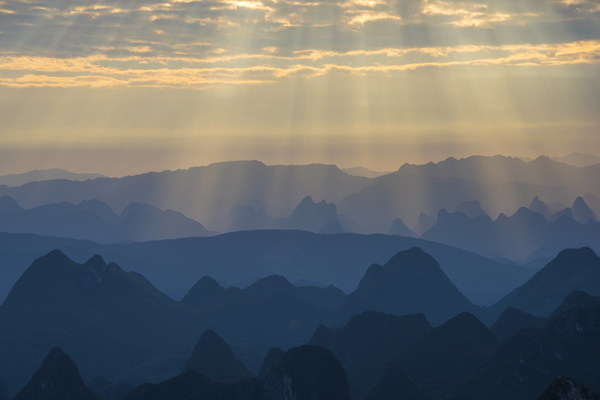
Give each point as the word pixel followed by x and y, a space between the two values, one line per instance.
pixel 200 44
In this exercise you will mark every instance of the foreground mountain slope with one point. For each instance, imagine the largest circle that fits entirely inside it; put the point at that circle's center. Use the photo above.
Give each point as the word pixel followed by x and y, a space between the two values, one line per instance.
pixel 113 323
pixel 368 342
pixel 566 389
pixel 213 358
pixel 303 373
pixel 410 282
pixel 394 385
pixel 57 379
pixel 572 269
pixel 443 358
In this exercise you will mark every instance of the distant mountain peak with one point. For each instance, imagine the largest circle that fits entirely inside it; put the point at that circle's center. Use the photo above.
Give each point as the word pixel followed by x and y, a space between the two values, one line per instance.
pixel 213 358
pixel 57 379
pixel 563 388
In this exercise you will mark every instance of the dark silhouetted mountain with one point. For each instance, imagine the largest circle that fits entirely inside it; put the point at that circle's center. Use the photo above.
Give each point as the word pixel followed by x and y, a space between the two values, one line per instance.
pixel 362 171
pixel 57 379
pixel 94 220
pixel 303 373
pixel 545 291
pixel 576 298
pixel 115 323
pixel 270 312
pixel 398 228
pixel 108 391
pixel 44 175
pixel 204 194
pixel 4 391
pixel 567 347
pixel 512 320
pixel 404 285
pixel 202 292
pixel 444 357
pixel 395 385
pixel 248 219
pixel 241 257
pixel 424 223
pixel 566 389
pixel 368 342
pixel 212 357
pixel 189 385
pixel 471 209
pixel 540 207
pixel 274 355
pixel 307 373
pixel 490 373
pixel 578 159
pixel 331 227
pixel 581 212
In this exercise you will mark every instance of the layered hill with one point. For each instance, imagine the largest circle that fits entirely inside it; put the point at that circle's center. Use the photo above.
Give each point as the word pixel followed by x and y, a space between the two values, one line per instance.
pixel 44 175
pixel 57 379
pixel 410 282
pixel 95 220
pixel 242 257
pixel 303 373
pixel 520 235
pixel 113 323
pixel 204 194
pixel 573 269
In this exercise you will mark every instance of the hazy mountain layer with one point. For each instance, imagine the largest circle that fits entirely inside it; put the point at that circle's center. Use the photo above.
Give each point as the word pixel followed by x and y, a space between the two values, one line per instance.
pixel 44 175
pixel 243 257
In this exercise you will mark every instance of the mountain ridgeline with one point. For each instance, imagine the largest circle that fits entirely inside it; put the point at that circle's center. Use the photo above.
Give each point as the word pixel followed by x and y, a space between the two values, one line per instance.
pixel 115 324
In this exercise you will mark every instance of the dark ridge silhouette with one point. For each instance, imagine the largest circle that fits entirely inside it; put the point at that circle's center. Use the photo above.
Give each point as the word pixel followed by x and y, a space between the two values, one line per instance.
pixel 173 266
pixel 4 391
pixel 576 298
pixel 567 347
pixel 404 285
pixel 57 379
pixel 572 269
pixel 395 385
pixel 512 320
pixel 189 385
pixel 309 216
pixel 133 326
pixel 303 373
pixel 398 228
pixel 444 357
pixel 108 391
pixel 274 355
pixel 492 371
pixel 566 389
pixel 331 227
pixel 213 358
pixel 471 209
pixel 202 292
pixel 368 342
pixel 307 373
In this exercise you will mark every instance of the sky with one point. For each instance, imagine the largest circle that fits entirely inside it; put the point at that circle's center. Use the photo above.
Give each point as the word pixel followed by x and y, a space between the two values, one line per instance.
pixel 123 87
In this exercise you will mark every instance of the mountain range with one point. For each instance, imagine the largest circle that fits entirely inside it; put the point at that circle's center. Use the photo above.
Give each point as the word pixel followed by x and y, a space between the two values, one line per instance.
pixel 95 220
pixel 44 175
pixel 241 258
pixel 209 194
